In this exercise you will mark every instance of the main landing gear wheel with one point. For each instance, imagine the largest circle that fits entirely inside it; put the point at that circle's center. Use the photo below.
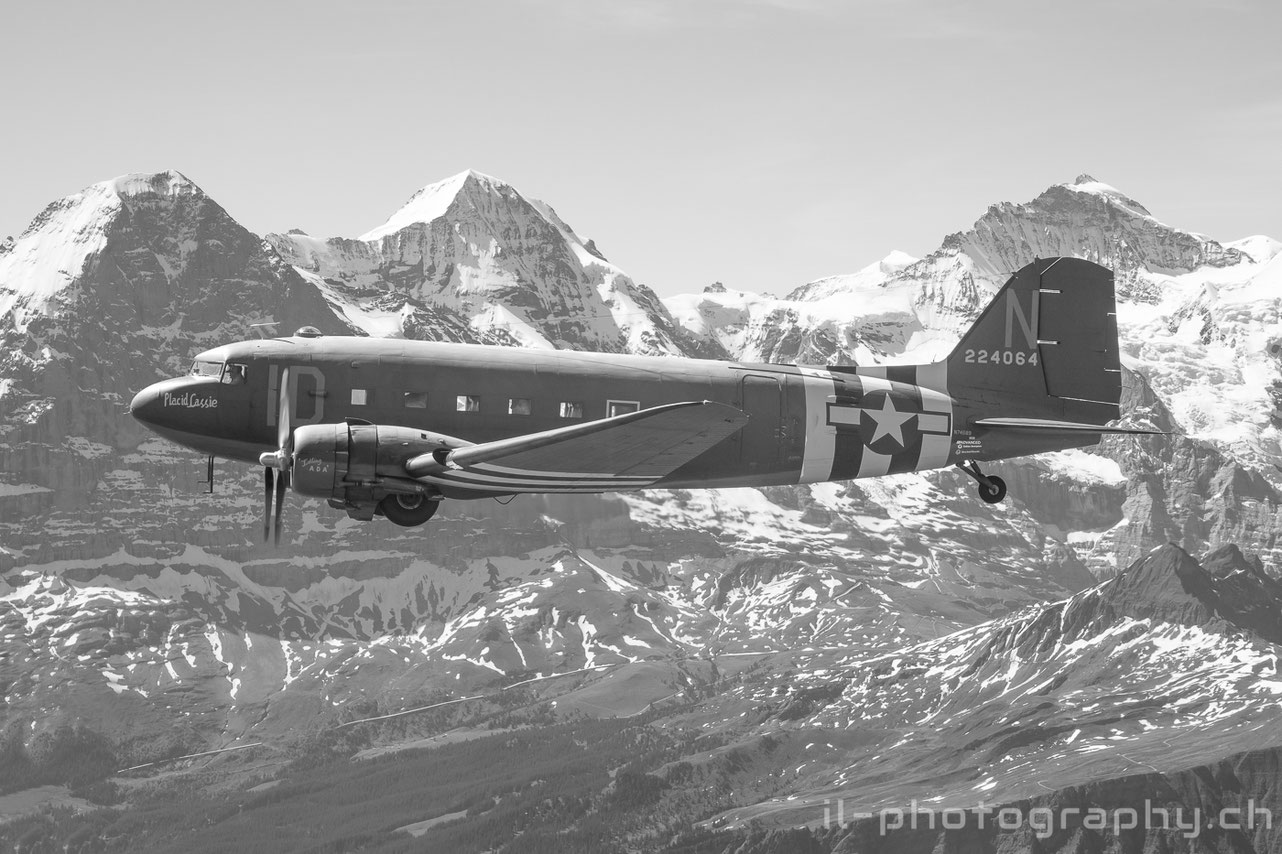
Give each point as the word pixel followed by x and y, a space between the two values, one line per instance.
pixel 994 492
pixel 992 489
pixel 408 510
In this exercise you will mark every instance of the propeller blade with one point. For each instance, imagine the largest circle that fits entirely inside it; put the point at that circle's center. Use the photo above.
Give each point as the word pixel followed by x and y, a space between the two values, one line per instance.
pixel 281 483
pixel 283 428
pixel 276 464
pixel 267 502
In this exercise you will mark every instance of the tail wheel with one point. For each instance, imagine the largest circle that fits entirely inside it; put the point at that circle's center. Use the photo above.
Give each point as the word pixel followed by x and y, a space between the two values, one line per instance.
pixel 408 510
pixel 994 492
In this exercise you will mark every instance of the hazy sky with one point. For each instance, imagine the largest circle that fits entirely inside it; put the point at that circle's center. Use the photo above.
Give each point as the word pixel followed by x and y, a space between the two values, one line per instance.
pixel 763 144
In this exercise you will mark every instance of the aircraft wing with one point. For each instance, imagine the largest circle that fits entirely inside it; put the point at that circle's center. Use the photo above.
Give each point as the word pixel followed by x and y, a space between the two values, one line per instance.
pixel 624 452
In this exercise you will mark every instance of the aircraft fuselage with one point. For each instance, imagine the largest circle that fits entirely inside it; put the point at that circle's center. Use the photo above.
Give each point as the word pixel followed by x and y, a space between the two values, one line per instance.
pixel 806 424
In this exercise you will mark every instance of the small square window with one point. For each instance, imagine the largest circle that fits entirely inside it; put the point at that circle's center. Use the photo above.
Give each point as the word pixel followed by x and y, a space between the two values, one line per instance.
pixel 415 400
pixel 518 406
pixel 467 403
pixel 620 407
pixel 571 409
pixel 360 397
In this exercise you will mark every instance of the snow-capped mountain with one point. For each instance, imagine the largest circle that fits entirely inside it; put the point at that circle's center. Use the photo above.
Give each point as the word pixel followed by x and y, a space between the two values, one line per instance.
pixel 903 310
pixel 1198 322
pixel 504 268
pixel 105 291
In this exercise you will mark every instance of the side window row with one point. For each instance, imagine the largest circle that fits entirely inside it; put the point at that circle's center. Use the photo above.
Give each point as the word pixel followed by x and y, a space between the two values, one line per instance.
pixel 515 405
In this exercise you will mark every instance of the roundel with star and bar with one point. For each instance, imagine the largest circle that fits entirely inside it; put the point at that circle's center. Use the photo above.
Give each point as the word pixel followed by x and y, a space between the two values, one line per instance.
pixel 886 427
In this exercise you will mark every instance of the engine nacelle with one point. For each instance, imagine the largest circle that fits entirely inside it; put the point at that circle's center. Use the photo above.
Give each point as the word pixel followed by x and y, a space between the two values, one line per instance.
pixel 356 465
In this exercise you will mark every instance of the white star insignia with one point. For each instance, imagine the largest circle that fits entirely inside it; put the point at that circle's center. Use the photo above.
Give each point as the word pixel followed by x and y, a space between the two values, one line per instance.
pixel 890 422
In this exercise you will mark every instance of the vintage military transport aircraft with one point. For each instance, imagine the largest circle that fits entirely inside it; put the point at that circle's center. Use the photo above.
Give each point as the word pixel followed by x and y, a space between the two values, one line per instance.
pixel 392 427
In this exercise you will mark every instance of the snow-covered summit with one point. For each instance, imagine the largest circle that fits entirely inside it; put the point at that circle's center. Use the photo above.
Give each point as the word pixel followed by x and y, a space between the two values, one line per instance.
pixel 53 250
pixel 874 275
pixel 434 201
pixel 1086 184
pixel 1260 248
pixel 168 183
pixel 140 243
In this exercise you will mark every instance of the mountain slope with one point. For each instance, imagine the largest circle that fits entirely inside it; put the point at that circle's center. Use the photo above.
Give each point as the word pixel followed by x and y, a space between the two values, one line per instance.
pixel 1170 665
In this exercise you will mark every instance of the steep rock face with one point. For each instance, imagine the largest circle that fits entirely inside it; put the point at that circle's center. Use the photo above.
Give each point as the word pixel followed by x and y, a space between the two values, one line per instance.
pixel 472 247
pixel 1068 491
pixel 1170 586
pixel 1181 489
pixel 109 290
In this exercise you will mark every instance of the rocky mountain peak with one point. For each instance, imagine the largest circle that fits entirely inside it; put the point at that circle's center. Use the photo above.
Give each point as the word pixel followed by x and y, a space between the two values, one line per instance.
pixel 1226 560
pixel 1169 584
pixel 1087 184
pixel 137 249
pixel 1166 576
pixel 471 258
pixel 1087 219
pixel 1227 596
pixel 53 251
pixel 469 188
pixel 911 310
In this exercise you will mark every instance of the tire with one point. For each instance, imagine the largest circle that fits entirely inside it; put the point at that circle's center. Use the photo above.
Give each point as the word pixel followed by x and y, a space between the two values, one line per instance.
pixel 408 510
pixel 996 493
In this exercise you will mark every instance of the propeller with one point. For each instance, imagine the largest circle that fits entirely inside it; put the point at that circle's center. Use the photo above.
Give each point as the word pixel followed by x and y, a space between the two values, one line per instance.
pixel 278 462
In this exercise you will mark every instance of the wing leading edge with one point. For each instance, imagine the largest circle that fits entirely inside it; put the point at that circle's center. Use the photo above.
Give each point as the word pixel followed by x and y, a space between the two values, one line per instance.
pixel 627 451
pixel 1045 424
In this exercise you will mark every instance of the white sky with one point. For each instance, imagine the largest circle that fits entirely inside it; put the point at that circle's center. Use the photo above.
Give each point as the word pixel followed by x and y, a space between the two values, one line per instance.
pixel 763 144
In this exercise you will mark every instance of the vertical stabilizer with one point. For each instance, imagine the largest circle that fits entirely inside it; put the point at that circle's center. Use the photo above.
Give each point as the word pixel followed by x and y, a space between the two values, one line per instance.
pixel 1046 346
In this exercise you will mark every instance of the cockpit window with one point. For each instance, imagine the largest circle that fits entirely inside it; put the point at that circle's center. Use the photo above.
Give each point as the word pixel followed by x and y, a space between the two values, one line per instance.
pixel 206 369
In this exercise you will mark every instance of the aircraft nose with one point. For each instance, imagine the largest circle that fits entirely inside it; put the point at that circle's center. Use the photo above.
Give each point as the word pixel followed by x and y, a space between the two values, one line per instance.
pixel 145 406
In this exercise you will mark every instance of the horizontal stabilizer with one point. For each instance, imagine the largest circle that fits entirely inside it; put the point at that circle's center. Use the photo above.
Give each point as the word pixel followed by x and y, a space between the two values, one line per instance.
pixel 624 452
pixel 1062 426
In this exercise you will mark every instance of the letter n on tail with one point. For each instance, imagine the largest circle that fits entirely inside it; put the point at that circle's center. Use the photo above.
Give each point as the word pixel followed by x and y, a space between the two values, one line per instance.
pixel 1015 310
